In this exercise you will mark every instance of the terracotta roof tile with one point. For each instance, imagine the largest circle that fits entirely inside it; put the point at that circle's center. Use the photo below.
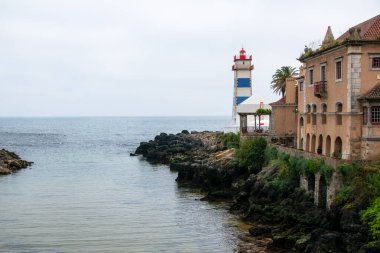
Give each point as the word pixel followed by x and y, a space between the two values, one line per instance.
pixel 281 101
pixel 369 30
pixel 372 94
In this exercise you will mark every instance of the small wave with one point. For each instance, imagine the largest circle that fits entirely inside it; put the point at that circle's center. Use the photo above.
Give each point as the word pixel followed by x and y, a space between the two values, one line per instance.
pixel 34 134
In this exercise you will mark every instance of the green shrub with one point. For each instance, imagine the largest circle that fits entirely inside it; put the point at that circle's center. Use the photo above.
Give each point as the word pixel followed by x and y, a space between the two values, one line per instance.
pixel 362 185
pixel 371 216
pixel 344 195
pixel 252 153
pixel 271 153
pixel 262 111
pixel 345 169
pixel 231 140
pixel 313 165
pixel 326 171
pixel 357 195
pixel 375 182
pixel 283 156
pixel 288 171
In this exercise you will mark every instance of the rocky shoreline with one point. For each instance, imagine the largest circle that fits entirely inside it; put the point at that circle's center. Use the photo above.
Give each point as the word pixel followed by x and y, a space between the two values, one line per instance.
pixel 11 162
pixel 282 220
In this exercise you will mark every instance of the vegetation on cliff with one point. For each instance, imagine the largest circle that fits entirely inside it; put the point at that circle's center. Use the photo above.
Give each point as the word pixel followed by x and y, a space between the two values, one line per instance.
pixel 231 140
pixel 251 153
pixel 264 187
pixel 273 195
pixel 361 194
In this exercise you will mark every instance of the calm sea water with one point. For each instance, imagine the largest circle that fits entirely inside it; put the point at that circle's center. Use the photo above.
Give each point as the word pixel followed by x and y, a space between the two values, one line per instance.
pixel 84 192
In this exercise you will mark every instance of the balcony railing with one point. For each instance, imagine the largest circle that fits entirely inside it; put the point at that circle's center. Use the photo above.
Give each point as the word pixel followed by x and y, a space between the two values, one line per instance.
pixel 320 89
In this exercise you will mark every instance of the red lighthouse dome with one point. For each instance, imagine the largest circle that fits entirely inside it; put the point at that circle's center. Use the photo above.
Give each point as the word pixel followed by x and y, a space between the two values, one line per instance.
pixel 242 54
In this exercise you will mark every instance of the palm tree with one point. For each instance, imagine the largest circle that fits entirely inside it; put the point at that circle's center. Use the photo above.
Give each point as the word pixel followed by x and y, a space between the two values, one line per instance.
pixel 279 78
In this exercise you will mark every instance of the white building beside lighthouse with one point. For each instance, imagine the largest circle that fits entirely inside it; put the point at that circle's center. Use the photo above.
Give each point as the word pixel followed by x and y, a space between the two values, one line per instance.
pixel 242 82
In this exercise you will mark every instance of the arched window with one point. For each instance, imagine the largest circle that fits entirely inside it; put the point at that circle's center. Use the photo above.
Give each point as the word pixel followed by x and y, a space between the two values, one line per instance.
pixel 328 145
pixel 308 111
pixel 314 116
pixel 339 109
pixel 320 144
pixel 307 142
pixel 301 121
pixel 313 141
pixel 324 110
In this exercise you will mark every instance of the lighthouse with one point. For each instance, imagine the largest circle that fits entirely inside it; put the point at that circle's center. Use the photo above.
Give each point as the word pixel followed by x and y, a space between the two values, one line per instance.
pixel 242 81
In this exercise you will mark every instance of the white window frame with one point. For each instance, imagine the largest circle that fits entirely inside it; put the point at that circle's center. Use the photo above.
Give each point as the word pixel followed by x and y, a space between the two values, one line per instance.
pixel 340 59
pixel 371 57
pixel 311 81
pixel 301 85
pixel 324 64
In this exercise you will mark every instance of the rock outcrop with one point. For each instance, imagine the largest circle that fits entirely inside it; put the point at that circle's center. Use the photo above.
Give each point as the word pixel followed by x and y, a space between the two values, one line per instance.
pixel 11 162
pixel 283 220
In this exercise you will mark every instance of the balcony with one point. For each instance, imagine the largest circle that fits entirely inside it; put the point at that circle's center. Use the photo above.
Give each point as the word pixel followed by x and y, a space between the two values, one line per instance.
pixel 320 89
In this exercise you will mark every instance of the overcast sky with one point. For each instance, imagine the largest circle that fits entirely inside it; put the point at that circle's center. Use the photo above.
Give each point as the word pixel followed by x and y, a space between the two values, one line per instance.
pixel 149 57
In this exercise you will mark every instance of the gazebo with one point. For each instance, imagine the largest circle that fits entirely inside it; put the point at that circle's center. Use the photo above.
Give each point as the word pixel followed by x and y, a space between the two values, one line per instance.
pixel 259 114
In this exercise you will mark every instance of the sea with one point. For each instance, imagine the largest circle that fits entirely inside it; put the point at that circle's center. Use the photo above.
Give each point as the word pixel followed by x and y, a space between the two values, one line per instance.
pixel 85 193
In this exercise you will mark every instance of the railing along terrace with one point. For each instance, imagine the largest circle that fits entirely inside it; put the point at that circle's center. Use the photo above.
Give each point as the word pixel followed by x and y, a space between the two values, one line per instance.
pixel 320 89
pixel 251 130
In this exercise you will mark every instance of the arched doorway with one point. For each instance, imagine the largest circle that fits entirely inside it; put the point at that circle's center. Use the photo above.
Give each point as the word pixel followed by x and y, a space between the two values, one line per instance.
pixel 322 192
pixel 328 145
pixel 313 141
pixel 307 142
pixel 338 147
pixel 310 182
pixel 320 144
pixel 301 143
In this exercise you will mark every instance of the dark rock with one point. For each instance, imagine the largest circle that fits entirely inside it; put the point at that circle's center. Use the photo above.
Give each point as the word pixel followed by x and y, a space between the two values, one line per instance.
pixel 185 132
pixel 325 241
pixel 283 241
pixel 369 249
pixel 259 230
pixel 350 221
pixel 301 243
pixel 10 162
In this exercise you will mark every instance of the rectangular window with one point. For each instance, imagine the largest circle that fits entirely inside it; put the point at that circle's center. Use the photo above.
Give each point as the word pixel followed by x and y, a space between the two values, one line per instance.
pixel 314 119
pixel 338 70
pixel 311 76
pixel 376 62
pixel 323 73
pixel 301 86
pixel 375 115
pixel 365 115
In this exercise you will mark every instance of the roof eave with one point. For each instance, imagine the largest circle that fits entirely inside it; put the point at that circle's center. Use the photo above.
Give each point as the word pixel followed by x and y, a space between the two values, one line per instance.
pixel 340 45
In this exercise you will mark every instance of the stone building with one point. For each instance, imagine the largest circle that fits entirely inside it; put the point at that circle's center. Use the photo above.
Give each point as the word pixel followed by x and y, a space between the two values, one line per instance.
pixel 339 95
pixel 284 115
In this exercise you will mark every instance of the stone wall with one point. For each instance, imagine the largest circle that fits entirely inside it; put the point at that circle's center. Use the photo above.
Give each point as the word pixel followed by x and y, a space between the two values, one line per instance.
pixel 329 188
pixel 307 155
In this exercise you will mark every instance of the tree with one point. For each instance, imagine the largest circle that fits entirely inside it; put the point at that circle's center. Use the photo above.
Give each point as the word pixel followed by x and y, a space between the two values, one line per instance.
pixel 279 78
